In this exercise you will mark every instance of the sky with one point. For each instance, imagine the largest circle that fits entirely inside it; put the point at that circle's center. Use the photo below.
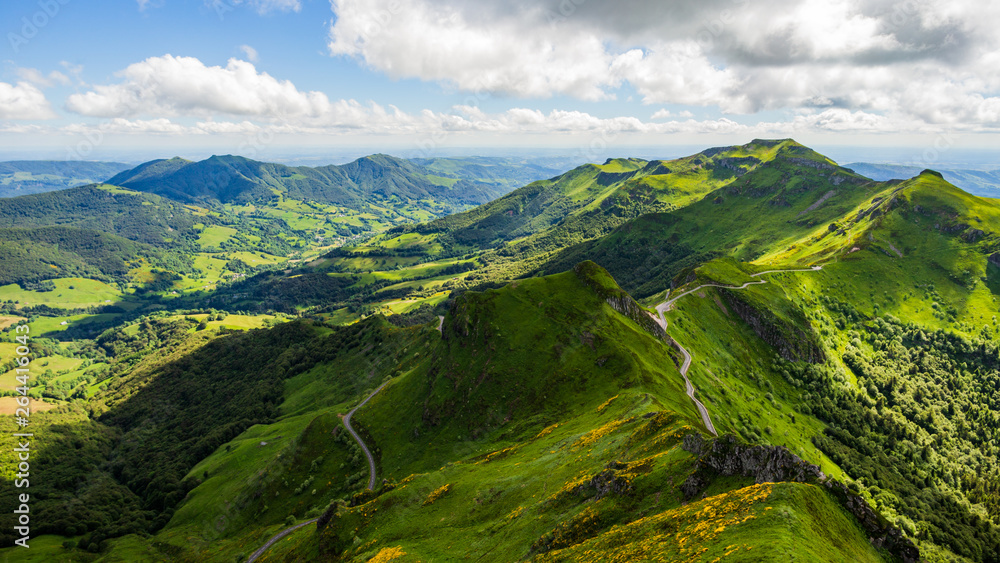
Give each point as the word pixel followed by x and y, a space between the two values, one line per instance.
pixel 919 79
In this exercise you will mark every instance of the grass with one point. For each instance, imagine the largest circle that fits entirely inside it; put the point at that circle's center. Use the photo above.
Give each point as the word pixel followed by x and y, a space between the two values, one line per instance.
pixel 402 306
pixel 236 322
pixel 69 293
pixel 767 522
pixel 8 321
pixel 214 235
pixel 45 549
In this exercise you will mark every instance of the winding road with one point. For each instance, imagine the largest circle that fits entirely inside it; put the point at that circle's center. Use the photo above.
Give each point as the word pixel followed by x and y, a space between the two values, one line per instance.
pixel 686 364
pixel 371 479
pixel 364 448
pixel 277 537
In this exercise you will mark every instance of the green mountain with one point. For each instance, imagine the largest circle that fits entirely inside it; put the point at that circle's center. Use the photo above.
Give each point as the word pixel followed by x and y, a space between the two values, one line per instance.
pixel 747 354
pixel 21 177
pixel 239 180
pixel 590 200
pixel 95 232
pixel 589 446
pixel 770 207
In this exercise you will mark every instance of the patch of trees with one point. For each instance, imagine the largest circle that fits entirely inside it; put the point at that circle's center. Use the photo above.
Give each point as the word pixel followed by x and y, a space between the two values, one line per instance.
pixel 923 431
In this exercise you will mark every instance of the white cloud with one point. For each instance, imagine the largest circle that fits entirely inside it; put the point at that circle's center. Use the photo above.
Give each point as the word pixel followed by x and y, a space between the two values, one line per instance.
pixel 168 85
pixel 470 49
pixel 250 53
pixel 937 61
pixel 36 77
pixel 154 91
pixel 23 101
pixel 666 114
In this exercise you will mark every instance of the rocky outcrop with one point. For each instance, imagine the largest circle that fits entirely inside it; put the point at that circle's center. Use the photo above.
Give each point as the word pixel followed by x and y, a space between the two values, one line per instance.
pixel 791 342
pixel 994 259
pixel 611 481
pixel 881 533
pixel 739 165
pixel 627 306
pixel 973 235
pixel 598 279
pixel 727 457
pixel 608 178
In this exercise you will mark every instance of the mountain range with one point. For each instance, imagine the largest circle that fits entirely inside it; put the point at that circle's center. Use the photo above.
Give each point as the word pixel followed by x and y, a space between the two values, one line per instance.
pixel 750 353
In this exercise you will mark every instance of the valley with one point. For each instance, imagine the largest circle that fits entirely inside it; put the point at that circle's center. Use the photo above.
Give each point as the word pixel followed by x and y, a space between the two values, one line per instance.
pixel 749 353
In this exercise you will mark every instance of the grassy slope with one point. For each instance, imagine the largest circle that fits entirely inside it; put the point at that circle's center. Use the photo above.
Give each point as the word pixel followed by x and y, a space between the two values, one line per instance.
pixel 446 425
pixel 518 453
pixel 919 254
pixel 768 208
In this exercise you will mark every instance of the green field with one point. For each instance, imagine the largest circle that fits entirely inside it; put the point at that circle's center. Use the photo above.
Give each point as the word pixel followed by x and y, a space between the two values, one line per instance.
pixel 214 235
pixel 69 293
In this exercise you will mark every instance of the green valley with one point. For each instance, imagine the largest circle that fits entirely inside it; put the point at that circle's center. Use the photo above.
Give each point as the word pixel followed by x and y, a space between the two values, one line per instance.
pixel 201 342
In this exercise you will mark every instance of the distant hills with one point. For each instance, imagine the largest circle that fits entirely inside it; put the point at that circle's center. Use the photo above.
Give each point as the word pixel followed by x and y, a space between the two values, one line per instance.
pixel 984 183
pixel 20 177
pixel 230 179
pixel 746 354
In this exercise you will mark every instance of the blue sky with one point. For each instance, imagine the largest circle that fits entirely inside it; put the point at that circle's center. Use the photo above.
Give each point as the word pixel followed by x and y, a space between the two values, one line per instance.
pixel 256 77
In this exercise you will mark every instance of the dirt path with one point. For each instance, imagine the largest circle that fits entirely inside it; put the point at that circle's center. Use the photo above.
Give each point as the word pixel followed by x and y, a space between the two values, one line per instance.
pixel 686 364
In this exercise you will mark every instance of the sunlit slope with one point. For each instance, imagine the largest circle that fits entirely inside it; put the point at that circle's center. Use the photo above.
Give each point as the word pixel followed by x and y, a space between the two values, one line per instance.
pixel 903 316
pixel 543 423
pixel 590 200
pixel 768 208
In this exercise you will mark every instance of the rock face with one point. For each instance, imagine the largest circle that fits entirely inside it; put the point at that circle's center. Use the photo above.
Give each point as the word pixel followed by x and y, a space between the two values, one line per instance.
pixel 727 457
pixel 736 165
pixel 881 533
pixel 792 343
pixel 811 163
pixel 600 281
pixel 608 178
pixel 994 259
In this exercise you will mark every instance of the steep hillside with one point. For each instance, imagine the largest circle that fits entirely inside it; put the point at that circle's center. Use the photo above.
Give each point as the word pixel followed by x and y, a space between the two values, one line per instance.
pixel 94 232
pixel 590 200
pixel 547 418
pixel 901 319
pixel 34 255
pixel 517 234
pixel 768 208
pixel 810 372
pixel 139 217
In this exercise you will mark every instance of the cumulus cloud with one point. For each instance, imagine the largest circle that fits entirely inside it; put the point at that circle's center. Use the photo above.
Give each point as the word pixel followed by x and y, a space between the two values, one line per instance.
pixel 170 85
pixel 161 94
pixel 666 114
pixel 23 101
pixel 931 60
